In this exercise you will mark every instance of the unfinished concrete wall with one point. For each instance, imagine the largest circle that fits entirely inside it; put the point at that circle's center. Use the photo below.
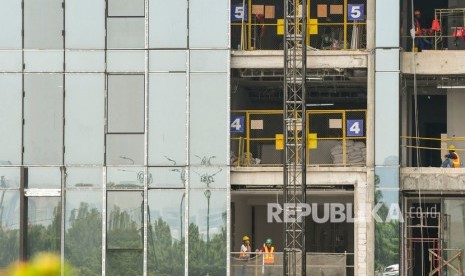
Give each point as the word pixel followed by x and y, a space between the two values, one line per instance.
pixel 455 115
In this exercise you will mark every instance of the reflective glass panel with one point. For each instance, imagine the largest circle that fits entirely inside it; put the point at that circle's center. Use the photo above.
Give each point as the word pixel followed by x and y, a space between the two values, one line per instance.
pixel 202 31
pixel 124 263
pixel 126 103
pixel 11 61
pixel 11 16
pixel 167 60
pixel 84 131
pixel 85 61
pixel 9 226
pixel 83 231
pixel 11 122
pixel 85 24
pixel 43 61
pixel 44 225
pixel 43 24
pixel 43 119
pixel 167 177
pixel 209 134
pixel 207 232
pixel 166 232
pixel 126 8
pixel 84 177
pixel 125 33
pixel 208 177
pixel 162 24
pixel 125 61
pixel 209 61
pixel 454 228
pixel 124 220
pixel 168 119
pixel 44 178
pixel 10 178
pixel 125 149
pixel 125 177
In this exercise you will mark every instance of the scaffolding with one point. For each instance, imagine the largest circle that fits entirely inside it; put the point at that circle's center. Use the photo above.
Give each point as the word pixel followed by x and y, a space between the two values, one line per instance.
pixel 442 15
pixel 295 30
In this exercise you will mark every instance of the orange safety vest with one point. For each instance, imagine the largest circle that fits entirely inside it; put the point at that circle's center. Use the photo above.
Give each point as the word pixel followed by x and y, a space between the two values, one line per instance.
pixel 456 161
pixel 269 255
pixel 244 255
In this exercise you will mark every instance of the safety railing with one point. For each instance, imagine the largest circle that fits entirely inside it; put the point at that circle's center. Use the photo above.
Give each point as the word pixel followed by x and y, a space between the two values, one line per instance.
pixel 337 26
pixel 260 263
pixel 334 138
pixel 447 32
pixel 430 151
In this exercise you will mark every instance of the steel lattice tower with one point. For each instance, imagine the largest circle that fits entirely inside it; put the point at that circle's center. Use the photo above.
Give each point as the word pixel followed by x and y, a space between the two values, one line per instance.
pixel 294 123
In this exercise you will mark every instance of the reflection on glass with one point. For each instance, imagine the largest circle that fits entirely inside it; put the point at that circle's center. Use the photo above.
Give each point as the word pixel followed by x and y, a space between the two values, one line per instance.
pixel 44 178
pixel 44 225
pixel 125 178
pixel 387 229
pixel 207 232
pixel 167 177
pixel 9 227
pixel 84 177
pixel 83 236
pixel 166 232
pixel 125 149
pixel 124 220
pixel 208 177
pixel 124 263
pixel 9 178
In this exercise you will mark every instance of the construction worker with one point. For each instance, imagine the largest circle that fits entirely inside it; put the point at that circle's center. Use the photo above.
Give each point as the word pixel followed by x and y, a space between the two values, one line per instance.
pixel 268 257
pixel 418 32
pixel 245 248
pixel 452 159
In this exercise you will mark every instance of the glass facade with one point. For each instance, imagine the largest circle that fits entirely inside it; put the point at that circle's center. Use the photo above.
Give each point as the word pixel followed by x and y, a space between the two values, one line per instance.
pixel 107 141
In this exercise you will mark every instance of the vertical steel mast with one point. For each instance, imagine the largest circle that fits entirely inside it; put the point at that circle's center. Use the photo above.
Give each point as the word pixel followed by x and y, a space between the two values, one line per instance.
pixel 294 123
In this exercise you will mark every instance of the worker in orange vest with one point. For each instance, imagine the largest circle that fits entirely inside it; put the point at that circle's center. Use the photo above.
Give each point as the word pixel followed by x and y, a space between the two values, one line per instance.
pixel 245 248
pixel 452 159
pixel 268 257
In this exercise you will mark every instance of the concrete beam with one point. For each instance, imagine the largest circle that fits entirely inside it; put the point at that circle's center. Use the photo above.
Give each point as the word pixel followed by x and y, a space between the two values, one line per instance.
pixel 443 62
pixel 315 59
pixel 316 176
pixel 437 180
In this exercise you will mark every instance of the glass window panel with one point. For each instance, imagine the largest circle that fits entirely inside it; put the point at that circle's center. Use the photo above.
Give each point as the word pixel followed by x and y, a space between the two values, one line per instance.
pixel 126 103
pixel 83 231
pixel 166 232
pixel 124 220
pixel 207 232
pixel 126 8
pixel 167 177
pixel 11 122
pixel 11 15
pixel 44 178
pixel 125 61
pixel 125 177
pixel 9 178
pixel 167 119
pixel 43 114
pixel 387 102
pixel 84 177
pixel 166 60
pixel 209 60
pixel 125 33
pixel 11 61
pixel 85 24
pixel 43 61
pixel 124 263
pixel 85 61
pixel 387 177
pixel 125 149
pixel 43 24
pixel 454 229
pixel 162 24
pixel 204 33
pixel 84 131
pixel 208 177
pixel 208 134
pixel 9 225
pixel 44 225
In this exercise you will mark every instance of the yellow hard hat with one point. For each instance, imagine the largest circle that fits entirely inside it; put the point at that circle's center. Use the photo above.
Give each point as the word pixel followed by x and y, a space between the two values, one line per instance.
pixel 245 238
pixel 451 147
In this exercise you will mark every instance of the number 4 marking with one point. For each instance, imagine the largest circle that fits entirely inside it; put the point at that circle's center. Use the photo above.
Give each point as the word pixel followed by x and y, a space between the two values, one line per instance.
pixel 355 127
pixel 236 124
